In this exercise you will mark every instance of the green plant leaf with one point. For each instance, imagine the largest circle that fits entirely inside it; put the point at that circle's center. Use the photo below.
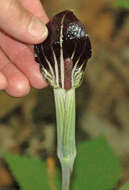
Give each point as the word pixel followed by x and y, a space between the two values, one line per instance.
pixel 96 167
pixel 122 3
pixel 30 173
pixel 125 187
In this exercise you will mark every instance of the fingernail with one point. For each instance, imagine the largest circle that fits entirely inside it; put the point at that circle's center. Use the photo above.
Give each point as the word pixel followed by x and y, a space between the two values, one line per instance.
pixel 37 29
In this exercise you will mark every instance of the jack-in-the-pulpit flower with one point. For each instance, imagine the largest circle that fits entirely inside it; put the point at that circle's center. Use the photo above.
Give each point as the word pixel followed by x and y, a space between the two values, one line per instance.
pixel 64 54
pixel 63 58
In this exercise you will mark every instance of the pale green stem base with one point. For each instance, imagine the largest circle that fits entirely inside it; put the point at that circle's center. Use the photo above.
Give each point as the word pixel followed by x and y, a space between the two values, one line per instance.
pixel 66 149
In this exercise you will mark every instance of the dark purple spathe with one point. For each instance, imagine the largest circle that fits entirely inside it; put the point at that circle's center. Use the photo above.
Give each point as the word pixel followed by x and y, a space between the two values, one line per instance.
pixel 64 54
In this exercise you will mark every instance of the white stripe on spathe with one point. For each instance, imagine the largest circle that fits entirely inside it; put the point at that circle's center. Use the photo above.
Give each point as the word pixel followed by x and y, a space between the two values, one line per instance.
pixel 56 68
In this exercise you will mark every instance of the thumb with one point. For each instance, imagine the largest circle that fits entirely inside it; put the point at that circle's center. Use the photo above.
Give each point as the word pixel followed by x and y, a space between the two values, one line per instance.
pixel 20 23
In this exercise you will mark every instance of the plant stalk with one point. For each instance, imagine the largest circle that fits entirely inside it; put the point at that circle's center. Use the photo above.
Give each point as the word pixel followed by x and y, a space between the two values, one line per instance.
pixel 66 148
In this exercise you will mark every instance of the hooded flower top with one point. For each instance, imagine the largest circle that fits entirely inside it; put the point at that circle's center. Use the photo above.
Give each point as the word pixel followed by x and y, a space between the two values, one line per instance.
pixel 64 54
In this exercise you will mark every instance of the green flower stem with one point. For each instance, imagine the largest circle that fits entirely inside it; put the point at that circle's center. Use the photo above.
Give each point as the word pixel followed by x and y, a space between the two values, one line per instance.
pixel 66 148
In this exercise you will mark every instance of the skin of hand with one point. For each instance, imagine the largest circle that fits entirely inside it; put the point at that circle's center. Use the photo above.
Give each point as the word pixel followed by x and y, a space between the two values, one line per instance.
pixel 22 23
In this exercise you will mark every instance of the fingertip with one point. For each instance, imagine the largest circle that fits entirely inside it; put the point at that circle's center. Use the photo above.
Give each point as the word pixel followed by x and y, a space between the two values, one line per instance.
pixel 3 82
pixel 18 88
pixel 38 82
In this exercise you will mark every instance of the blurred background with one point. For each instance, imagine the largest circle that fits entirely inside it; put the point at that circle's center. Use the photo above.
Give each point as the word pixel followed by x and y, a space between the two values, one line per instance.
pixel 27 125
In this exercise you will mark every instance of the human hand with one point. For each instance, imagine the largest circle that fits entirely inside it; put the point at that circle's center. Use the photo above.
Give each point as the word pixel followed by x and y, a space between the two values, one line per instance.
pixel 18 70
